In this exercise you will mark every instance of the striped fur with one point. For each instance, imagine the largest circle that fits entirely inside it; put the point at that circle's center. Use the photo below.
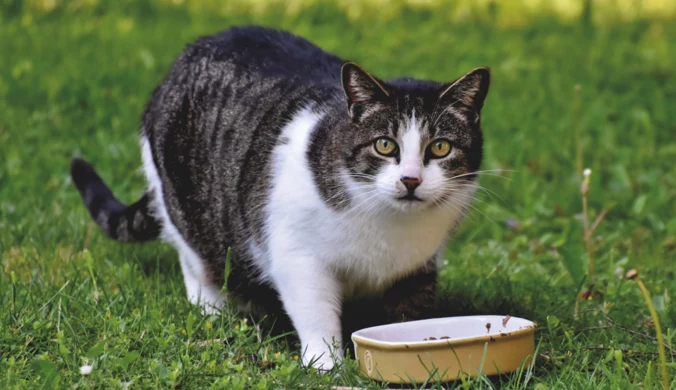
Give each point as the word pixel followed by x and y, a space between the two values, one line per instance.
pixel 132 223
pixel 259 142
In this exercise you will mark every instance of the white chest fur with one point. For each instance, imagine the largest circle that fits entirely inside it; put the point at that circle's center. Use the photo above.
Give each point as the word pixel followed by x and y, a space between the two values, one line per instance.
pixel 367 247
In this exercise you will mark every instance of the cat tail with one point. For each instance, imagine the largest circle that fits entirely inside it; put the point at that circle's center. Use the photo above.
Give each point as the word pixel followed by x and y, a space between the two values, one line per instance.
pixel 133 223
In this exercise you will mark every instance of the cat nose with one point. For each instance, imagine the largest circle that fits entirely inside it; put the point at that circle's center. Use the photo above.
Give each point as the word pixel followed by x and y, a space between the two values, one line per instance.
pixel 411 183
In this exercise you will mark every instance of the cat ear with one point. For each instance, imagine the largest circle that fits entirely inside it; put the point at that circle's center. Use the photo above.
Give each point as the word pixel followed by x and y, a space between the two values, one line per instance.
pixel 469 91
pixel 360 87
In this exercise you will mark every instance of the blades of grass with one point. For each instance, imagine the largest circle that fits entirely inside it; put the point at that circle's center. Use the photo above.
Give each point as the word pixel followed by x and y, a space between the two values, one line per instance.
pixel 128 359
pixel 648 380
pixel 226 272
pixel 54 296
pixel 483 359
pixel 430 372
pixel 95 351
pixel 48 372
pixel 658 328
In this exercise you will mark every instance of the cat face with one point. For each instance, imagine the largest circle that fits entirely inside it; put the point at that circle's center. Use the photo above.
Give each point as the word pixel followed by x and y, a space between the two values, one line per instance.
pixel 414 144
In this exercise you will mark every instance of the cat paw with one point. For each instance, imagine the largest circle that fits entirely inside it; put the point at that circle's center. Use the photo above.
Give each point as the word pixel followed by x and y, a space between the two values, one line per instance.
pixel 210 309
pixel 209 299
pixel 322 364
pixel 323 360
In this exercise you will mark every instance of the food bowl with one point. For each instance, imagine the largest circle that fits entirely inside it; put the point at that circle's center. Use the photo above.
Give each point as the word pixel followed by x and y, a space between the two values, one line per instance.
pixel 443 349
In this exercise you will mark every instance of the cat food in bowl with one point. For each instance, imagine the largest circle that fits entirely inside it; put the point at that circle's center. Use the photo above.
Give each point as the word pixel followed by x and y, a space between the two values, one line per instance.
pixel 448 347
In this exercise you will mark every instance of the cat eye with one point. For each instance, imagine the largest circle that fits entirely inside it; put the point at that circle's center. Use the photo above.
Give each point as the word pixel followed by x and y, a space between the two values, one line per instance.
pixel 385 146
pixel 439 148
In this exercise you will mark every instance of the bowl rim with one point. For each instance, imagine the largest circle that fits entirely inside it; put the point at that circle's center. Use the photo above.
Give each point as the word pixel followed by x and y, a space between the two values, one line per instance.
pixel 434 344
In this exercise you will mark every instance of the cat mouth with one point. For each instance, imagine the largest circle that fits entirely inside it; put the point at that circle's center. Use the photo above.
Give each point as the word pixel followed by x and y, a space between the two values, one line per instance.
pixel 409 198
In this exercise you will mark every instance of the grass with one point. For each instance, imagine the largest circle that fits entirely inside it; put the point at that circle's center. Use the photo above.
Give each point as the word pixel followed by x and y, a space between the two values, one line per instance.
pixel 74 80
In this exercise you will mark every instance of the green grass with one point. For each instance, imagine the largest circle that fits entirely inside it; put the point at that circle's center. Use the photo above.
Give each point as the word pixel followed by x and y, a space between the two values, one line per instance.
pixel 74 80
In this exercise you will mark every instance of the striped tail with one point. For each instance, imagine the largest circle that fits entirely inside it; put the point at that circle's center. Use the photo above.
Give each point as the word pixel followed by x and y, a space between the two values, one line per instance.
pixel 123 223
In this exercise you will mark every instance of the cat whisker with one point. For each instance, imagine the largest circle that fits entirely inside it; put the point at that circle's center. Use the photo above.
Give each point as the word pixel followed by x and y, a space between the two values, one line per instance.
pixel 371 194
pixel 374 204
pixel 488 172
pixel 345 191
pixel 467 183
pixel 361 178
pixel 365 175
pixel 361 199
pixel 447 203
pixel 477 186
pixel 453 185
pixel 471 206
pixel 480 201
pixel 339 193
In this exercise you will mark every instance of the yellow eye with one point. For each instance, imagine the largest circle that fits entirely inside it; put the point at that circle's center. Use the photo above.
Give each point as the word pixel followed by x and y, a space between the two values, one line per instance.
pixel 440 148
pixel 385 146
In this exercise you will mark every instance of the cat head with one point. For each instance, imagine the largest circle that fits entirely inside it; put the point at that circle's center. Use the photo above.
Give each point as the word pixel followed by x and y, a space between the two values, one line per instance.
pixel 414 144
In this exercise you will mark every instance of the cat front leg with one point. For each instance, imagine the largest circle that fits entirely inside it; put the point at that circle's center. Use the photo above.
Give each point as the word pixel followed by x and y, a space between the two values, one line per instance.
pixel 312 297
pixel 413 297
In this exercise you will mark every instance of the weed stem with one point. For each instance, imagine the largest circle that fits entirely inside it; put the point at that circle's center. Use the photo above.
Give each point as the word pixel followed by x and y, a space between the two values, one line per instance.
pixel 587 232
pixel 658 330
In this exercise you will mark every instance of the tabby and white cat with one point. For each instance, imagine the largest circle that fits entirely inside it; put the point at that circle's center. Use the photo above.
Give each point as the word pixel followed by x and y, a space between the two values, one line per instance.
pixel 328 184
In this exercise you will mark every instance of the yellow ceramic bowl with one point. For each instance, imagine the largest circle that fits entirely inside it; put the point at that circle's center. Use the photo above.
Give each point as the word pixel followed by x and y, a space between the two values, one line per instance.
pixel 451 347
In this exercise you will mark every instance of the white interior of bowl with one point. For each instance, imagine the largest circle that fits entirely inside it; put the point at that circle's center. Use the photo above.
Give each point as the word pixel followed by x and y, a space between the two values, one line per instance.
pixel 455 328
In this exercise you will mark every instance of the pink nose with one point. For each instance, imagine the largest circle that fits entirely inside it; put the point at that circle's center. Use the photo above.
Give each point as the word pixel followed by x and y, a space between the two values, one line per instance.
pixel 411 183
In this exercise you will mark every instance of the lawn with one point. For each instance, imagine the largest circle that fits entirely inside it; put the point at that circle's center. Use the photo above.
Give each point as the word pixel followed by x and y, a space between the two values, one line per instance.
pixel 567 93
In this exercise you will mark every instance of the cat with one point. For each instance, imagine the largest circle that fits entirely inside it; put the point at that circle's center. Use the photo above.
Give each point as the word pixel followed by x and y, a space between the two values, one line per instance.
pixel 327 184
